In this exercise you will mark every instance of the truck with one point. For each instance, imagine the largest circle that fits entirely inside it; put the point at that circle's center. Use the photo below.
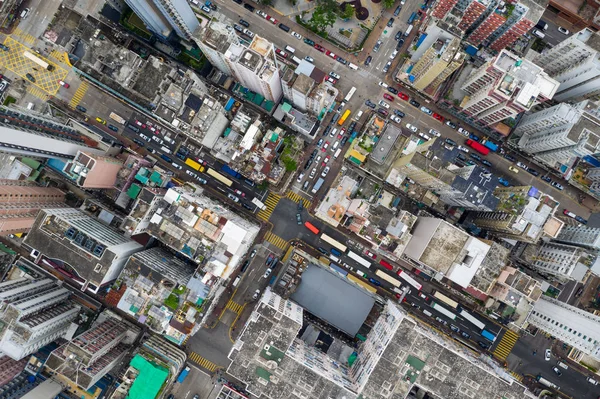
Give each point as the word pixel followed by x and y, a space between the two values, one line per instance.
pixel 547 383
pixel 317 185
pixel 231 172
pixel 492 146
pixel 117 118
pixel 183 374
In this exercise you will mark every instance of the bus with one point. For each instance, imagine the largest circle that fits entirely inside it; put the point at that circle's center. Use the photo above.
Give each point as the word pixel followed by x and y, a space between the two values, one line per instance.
pixel 478 147
pixel 359 259
pixel 334 243
pixel 468 317
pixel 444 311
pixel 443 298
pixel 384 276
pixel 117 118
pixel 350 94
pixel 343 118
pixel 194 165
pixel 386 264
pixel 219 177
pixel 38 61
pixel 311 227
pixel 406 277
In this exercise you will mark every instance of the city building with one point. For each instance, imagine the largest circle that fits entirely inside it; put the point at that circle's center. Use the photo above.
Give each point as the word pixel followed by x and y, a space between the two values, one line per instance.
pixel 493 24
pixel 35 313
pixel 87 252
pixel 87 358
pixel 575 64
pixel 24 133
pixel 445 251
pixel 20 201
pixel 163 17
pixel 523 214
pixel 581 236
pixel 505 87
pixel 93 171
pixel 558 136
pixel 254 66
pixel 569 324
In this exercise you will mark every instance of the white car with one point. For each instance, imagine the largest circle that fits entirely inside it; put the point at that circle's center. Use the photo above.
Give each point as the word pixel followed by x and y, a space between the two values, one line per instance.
pixel 296 35
pixel 384 104
pixel 396 119
pixel 412 127
pixel 463 149
pixel 261 13
pixel 434 132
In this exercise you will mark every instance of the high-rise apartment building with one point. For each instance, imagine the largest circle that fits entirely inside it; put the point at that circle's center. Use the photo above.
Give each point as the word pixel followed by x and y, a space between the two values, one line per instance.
pixel 436 65
pixel 254 66
pixel 93 171
pixel 494 24
pixel 575 64
pixel 20 201
pixel 571 325
pixel 581 236
pixel 505 87
pixel 163 17
pixel 32 135
pixel 35 313
pixel 561 134
pixel 87 252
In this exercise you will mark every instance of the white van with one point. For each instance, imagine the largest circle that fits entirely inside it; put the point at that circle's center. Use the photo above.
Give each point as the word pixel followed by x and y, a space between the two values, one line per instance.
pixel 352 66
pixel 290 49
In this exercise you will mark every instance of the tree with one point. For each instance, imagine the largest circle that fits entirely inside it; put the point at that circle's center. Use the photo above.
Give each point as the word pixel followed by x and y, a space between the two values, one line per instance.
pixel 388 3
pixel 348 12
pixel 321 19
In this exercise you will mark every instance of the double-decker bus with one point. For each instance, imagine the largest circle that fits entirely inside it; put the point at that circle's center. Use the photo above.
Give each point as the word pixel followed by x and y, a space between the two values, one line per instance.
pixel 38 61
pixel 359 259
pixel 350 94
pixel 344 117
pixel 444 311
pixel 219 177
pixel 311 227
pixel 468 317
pixel 406 277
pixel 334 243
pixel 384 276
pixel 443 298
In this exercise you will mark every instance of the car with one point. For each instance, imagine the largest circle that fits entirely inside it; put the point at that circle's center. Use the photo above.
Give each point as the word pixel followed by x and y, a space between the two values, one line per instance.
pixel 370 254
pixel 309 59
pixel 415 104
pixel 451 124
pixel 487 163
pixel 434 132
pixel 438 117
pixel 267 272
pixel 426 110
pixel 383 112
pixel 30 77
pixel 309 42
pixel 464 132
pixel 557 185
pixel 592 381
pixel 233 198
pixel 392 90
pixel 398 35
pixel 411 127
pixel 563 30
pixel 368 60
pixel 547 355
pixel 396 119
pixel 463 149
pixel 465 335
pixel 5 48
pixel 113 128
pixel 325 171
pixel 261 13
pixel 334 75
pixel 80 108
pixel 256 295
pixel 384 104
pixel 557 371
pixel 510 157
pixel 325 146
pixel 387 66
pixel 503 181
pixel 331 80
pixel 403 96
pixel 296 35
pixel 399 113
pixel 581 220
pixel 370 104
pixel 513 169
pixel 533 171
pixel 388 97
pixel 390 23
pixel 482 344
pixel 522 165
pixel 281 53
pixel 377 46
pixel 100 120
pixel 298 218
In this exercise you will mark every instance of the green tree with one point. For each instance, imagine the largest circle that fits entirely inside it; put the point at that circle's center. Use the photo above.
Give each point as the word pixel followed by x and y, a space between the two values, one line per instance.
pixel 321 19
pixel 388 3
pixel 348 12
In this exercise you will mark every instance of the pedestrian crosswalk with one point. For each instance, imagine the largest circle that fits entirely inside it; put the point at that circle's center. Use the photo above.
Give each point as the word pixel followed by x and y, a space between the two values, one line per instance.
pixel 36 91
pixel 78 96
pixel 270 203
pixel 276 240
pixel 508 341
pixel 23 37
pixel 202 362
pixel 234 307
pixel 297 198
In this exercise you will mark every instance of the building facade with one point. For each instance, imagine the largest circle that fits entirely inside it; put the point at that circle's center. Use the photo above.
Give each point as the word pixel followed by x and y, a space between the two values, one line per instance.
pixel 165 16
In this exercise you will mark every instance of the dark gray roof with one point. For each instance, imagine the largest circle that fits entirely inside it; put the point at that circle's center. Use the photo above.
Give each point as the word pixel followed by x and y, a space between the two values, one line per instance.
pixel 333 299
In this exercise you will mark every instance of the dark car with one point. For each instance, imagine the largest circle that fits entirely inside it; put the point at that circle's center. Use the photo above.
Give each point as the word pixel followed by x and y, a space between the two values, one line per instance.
pixel 475 157
pixel 533 171
pixel 113 128
pixel 245 23
pixel 487 163
pixel 399 113
pixel 370 104
pixel 510 158
pixel 390 22
pixel 309 42
pixel 398 35
pixel 368 60
pixel 397 11
pixel 30 77
pixel 249 7
pixel 284 28
pixel 483 344
pixel 415 104
pixel 392 90
pixel 80 108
